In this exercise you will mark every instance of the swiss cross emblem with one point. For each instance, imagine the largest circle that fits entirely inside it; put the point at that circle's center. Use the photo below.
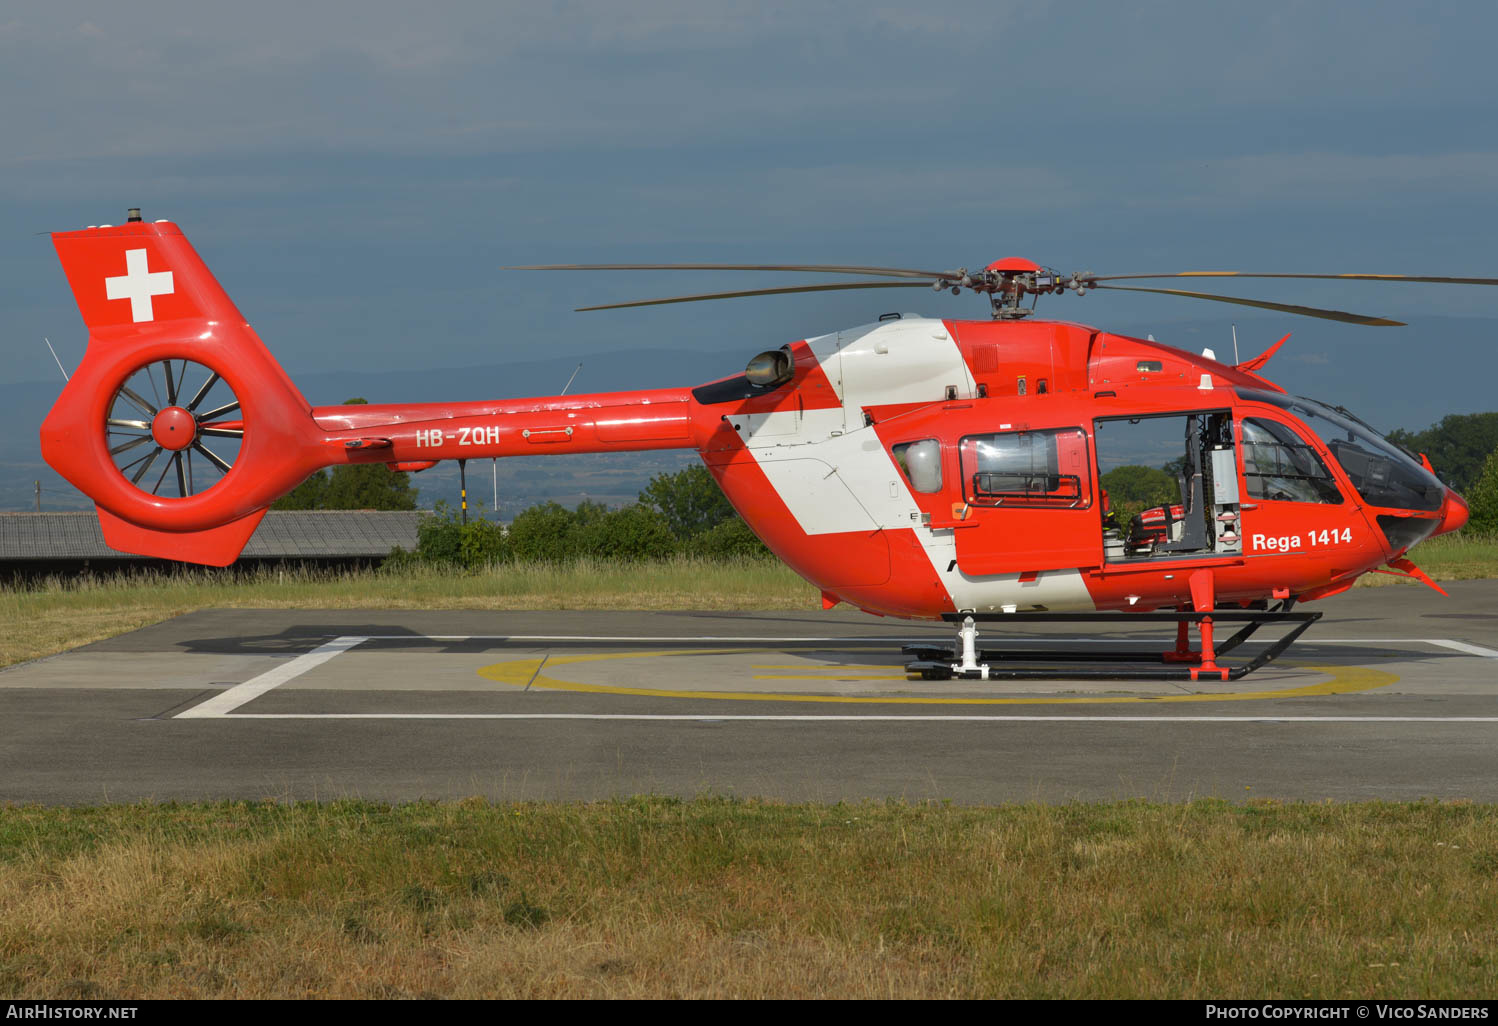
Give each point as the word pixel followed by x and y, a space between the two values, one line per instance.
pixel 138 284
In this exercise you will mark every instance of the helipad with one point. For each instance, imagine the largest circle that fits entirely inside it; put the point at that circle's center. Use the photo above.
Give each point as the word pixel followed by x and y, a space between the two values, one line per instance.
pixel 407 704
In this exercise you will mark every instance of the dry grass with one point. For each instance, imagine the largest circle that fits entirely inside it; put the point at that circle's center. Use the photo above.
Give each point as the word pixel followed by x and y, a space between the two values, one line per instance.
pixel 656 897
pixel 55 614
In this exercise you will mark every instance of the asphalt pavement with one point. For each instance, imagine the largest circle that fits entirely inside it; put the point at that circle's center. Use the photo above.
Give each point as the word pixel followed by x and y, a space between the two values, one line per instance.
pixel 1393 694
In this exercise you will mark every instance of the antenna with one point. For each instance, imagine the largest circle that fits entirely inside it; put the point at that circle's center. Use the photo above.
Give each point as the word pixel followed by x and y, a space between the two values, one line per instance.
pixel 54 356
pixel 1235 343
pixel 570 380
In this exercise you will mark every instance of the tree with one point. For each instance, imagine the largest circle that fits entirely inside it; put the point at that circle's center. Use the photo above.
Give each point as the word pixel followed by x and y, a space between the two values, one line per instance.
pixel 633 533
pixel 444 539
pixel 1134 488
pixel 1457 447
pixel 730 539
pixel 1483 498
pixel 353 486
pixel 690 500
pixel 544 532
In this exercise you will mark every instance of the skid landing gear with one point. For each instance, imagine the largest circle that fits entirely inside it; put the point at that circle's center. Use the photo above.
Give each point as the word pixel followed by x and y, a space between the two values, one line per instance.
pixel 966 661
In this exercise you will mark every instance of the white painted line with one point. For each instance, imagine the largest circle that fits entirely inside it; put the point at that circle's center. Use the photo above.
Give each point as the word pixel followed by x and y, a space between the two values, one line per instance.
pixel 1462 646
pixel 227 701
pixel 221 705
pixel 715 718
pixel 622 637
pixel 1037 639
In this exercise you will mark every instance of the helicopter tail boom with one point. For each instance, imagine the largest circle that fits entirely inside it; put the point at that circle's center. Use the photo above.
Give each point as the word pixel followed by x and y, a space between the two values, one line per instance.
pixel 183 428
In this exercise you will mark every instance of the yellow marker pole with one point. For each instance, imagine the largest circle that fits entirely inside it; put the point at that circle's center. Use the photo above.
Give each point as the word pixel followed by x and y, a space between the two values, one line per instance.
pixel 463 486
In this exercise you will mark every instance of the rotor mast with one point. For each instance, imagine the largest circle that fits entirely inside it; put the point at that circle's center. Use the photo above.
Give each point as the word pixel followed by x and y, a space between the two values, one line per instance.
pixel 1007 282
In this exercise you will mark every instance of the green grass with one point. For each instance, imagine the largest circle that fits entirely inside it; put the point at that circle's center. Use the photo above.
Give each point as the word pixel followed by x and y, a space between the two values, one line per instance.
pixel 656 897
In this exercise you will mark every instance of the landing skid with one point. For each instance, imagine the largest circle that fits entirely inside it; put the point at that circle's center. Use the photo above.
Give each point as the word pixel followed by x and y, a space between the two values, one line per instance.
pixel 965 661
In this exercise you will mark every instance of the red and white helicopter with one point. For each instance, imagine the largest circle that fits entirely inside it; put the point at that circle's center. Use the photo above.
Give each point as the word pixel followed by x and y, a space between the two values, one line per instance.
pixel 913 467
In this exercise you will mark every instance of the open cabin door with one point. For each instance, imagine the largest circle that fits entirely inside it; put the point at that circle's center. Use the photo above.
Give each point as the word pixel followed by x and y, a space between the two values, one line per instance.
pixel 1193 516
pixel 1029 502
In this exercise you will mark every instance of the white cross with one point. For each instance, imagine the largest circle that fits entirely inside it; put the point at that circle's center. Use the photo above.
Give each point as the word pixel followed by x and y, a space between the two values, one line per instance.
pixel 138 284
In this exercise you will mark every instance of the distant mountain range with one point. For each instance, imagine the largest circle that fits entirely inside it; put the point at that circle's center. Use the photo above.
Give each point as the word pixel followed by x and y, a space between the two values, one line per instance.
pixel 1391 377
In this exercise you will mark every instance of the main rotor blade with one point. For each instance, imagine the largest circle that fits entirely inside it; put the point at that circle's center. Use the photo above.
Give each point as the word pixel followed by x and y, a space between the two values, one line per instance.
pixel 1326 277
pixel 768 292
pixel 1304 311
pixel 890 272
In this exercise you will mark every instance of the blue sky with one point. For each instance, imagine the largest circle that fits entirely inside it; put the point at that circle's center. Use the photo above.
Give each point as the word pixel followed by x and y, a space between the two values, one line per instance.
pixel 356 174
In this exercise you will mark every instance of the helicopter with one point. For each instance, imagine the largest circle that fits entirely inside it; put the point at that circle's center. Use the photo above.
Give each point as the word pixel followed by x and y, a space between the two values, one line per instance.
pixel 914 467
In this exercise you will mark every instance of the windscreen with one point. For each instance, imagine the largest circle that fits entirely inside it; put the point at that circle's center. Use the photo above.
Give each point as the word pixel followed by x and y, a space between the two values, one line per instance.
pixel 1383 474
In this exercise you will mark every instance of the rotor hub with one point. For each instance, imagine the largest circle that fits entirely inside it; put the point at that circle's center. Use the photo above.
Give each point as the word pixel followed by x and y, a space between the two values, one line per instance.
pixel 174 428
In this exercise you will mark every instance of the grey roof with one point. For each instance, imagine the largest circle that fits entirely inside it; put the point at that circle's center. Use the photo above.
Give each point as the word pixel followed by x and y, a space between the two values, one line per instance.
pixel 288 534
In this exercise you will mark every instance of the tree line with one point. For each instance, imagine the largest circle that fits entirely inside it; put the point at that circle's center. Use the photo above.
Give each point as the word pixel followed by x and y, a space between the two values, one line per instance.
pixel 678 514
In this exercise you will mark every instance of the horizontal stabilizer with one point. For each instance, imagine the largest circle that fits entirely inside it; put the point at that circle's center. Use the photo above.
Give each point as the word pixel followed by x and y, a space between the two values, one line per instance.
pixel 217 546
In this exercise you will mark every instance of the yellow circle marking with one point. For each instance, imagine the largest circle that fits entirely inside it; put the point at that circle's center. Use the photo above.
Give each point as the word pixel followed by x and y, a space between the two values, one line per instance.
pixel 523 672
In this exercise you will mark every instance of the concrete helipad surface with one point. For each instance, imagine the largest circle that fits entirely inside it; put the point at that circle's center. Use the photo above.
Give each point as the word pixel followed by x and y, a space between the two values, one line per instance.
pixel 1393 694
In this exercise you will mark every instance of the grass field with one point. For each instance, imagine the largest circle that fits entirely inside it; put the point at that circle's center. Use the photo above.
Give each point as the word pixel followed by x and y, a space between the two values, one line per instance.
pixel 53 615
pixel 655 897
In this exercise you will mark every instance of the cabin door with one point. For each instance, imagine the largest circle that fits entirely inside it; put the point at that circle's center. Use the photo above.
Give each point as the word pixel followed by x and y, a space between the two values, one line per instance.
pixel 1027 502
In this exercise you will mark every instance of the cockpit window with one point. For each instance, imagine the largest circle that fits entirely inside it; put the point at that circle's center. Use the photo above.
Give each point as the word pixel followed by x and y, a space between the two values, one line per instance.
pixel 1383 474
pixel 921 462
pixel 1279 465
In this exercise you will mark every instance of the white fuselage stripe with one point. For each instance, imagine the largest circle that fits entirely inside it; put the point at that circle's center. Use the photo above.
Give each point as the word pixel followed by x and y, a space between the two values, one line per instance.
pixel 835 475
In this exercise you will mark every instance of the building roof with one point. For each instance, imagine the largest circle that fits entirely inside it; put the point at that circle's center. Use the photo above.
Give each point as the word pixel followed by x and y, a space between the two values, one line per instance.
pixel 316 534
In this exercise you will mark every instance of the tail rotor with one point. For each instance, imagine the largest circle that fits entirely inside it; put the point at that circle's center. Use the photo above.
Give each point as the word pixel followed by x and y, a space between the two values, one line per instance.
pixel 161 422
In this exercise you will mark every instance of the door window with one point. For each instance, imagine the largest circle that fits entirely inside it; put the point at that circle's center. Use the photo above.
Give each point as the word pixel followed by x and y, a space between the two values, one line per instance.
pixel 1279 465
pixel 1044 468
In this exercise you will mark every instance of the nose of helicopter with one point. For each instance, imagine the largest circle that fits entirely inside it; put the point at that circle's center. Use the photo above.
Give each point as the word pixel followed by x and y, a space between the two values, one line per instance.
pixel 1453 513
